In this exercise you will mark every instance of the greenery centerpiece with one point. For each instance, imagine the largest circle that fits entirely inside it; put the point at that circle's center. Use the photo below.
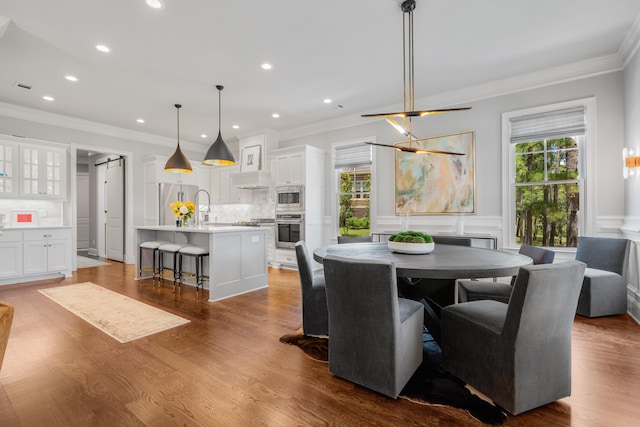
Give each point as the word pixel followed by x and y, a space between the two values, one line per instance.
pixel 411 242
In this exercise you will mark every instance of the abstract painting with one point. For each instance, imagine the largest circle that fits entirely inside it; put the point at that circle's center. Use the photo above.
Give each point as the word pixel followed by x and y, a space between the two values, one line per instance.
pixel 430 183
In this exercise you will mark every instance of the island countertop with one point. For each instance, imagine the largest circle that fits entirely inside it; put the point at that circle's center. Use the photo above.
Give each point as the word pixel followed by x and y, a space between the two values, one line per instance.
pixel 208 229
pixel 237 255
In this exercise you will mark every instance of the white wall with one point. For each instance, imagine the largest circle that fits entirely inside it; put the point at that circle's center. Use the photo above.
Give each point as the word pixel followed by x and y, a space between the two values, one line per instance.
pixel 485 120
pixel 632 184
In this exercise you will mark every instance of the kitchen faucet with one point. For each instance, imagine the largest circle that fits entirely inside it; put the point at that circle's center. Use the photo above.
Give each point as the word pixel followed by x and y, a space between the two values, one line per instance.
pixel 206 216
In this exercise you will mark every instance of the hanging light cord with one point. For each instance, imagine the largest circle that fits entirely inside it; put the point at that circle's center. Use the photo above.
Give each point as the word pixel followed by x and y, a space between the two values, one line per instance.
pixel 178 127
pixel 408 65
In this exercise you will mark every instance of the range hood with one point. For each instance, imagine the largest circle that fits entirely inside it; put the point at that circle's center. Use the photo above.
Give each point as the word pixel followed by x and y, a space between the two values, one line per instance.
pixel 251 180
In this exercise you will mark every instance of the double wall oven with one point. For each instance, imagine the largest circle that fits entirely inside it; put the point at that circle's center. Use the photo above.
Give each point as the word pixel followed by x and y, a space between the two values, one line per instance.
pixel 289 216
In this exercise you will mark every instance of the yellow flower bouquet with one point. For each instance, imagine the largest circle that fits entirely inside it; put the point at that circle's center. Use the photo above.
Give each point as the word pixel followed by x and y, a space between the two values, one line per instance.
pixel 183 210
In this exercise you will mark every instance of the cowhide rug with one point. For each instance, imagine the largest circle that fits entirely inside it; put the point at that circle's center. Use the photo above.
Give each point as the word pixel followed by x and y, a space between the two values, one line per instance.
pixel 430 385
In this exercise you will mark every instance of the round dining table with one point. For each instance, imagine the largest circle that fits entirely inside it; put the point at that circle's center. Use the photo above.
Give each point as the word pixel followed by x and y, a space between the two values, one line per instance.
pixel 444 262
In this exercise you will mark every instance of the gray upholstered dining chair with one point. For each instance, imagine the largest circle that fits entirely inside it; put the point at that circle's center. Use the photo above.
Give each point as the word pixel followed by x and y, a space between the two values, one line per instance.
pixel 354 239
pixel 473 290
pixel 375 338
pixel 315 317
pixel 518 354
pixel 604 290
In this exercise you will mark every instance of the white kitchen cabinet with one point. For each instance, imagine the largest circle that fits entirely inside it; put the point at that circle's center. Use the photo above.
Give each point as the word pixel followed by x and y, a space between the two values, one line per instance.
pixel 222 192
pixel 8 169
pixel 44 171
pixel 290 169
pixel 303 165
pixel 47 251
pixel 286 257
pixel 10 253
pixel 30 170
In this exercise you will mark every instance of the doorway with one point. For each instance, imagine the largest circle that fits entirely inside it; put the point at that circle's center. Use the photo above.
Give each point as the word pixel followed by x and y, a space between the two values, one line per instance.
pixel 100 188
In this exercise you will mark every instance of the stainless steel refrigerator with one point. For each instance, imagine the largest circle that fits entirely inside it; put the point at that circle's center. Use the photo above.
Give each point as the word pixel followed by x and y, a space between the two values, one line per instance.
pixel 170 193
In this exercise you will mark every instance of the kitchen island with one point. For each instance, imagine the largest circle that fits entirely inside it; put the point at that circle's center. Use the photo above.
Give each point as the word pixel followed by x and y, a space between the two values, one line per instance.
pixel 237 261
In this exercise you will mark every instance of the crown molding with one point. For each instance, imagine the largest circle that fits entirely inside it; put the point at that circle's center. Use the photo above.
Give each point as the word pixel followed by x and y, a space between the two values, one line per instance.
pixel 59 120
pixel 630 44
pixel 551 76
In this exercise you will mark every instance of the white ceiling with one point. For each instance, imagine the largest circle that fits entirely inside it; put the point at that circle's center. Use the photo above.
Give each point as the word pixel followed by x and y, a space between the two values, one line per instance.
pixel 349 51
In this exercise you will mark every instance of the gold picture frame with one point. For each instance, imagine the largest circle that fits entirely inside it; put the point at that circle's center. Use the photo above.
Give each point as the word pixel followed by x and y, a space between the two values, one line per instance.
pixel 437 183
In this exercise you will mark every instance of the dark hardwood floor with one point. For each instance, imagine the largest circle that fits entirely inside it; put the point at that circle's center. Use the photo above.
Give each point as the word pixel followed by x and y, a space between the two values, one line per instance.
pixel 227 367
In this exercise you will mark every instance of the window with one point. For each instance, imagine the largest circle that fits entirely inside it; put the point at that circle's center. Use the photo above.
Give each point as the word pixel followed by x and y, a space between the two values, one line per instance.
pixel 352 163
pixel 547 192
pixel 546 152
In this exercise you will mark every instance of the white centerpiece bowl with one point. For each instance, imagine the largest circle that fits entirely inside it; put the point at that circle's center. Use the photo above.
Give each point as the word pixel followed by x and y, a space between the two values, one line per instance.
pixel 411 248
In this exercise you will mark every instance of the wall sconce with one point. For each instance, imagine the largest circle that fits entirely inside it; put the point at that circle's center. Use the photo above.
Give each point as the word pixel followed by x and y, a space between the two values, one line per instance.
pixel 630 161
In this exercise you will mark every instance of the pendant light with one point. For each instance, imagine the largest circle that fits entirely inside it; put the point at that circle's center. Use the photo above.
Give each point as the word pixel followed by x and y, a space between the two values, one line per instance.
pixel 218 153
pixel 178 162
pixel 408 91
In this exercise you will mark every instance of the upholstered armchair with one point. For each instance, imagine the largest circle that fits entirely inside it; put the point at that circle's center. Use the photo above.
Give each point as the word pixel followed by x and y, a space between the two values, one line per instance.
pixel 6 318
pixel 315 317
pixel 375 338
pixel 473 290
pixel 518 354
pixel 604 290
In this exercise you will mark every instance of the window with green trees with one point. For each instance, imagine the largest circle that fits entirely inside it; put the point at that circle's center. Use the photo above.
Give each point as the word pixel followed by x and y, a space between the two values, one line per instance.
pixel 354 201
pixel 547 192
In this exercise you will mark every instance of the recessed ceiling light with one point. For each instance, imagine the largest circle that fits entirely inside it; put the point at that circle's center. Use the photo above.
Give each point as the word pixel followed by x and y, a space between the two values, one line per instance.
pixel 327 101
pixel 140 120
pixel 203 136
pixel 71 78
pixel 266 66
pixel 235 127
pixel 47 98
pixel 155 4
pixel 275 115
pixel 103 48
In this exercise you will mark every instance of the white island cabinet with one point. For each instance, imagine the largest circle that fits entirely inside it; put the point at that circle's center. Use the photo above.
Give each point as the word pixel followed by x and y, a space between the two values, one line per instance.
pixel 237 260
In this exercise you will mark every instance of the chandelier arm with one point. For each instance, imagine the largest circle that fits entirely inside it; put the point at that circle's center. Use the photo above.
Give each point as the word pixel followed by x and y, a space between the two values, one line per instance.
pixel 408 77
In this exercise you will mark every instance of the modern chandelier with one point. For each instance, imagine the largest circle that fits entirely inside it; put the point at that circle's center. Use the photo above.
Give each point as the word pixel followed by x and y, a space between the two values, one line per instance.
pixel 218 153
pixel 408 95
pixel 178 162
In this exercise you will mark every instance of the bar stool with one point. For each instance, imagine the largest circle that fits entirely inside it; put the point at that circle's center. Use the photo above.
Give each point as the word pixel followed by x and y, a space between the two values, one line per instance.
pixel 199 254
pixel 170 248
pixel 151 245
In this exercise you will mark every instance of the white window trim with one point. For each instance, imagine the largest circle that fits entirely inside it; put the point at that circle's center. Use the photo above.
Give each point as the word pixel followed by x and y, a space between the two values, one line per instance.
pixel 335 180
pixel 586 217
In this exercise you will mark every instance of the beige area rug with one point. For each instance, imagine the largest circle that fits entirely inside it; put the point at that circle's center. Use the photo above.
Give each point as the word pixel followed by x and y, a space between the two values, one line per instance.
pixel 118 316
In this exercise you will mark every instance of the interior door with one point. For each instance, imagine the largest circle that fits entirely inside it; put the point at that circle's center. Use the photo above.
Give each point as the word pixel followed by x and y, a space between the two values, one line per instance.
pixel 114 210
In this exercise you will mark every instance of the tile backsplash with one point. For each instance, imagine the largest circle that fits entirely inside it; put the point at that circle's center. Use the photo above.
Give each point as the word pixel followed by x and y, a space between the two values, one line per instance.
pixel 261 207
pixel 49 212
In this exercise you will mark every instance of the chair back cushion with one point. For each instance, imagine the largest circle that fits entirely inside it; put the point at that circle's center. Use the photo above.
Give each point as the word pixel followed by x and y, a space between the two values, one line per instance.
pixel 537 254
pixel 305 268
pixel 604 253
pixel 458 241
pixel 363 294
pixel 354 239
pixel 543 302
